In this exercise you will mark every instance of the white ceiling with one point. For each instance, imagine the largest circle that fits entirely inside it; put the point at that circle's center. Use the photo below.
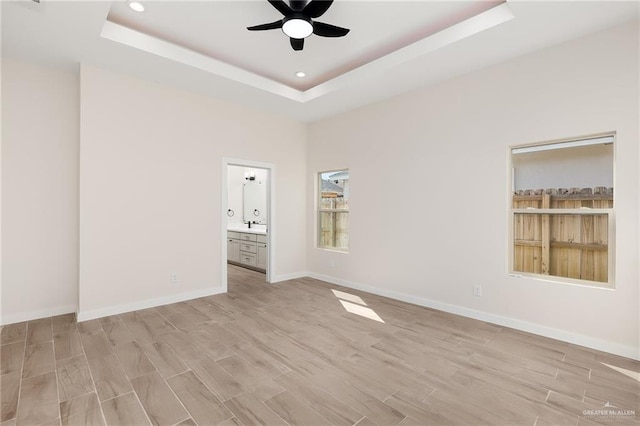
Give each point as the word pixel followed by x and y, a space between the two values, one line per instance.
pixel 203 46
pixel 218 29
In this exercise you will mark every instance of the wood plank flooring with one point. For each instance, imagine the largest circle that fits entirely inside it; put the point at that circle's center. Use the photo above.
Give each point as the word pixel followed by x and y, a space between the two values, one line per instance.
pixel 294 353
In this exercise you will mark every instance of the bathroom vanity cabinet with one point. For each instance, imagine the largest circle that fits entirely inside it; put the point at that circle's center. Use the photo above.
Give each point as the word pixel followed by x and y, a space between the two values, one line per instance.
pixel 247 249
pixel 233 246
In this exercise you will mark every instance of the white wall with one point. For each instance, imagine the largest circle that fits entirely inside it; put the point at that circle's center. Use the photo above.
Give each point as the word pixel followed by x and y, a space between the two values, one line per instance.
pixel 442 154
pixel 235 182
pixel 150 195
pixel 40 139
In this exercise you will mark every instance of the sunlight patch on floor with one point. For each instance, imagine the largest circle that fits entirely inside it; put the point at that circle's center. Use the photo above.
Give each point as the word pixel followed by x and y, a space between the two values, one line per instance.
pixel 350 297
pixel 633 374
pixel 363 311
pixel 355 305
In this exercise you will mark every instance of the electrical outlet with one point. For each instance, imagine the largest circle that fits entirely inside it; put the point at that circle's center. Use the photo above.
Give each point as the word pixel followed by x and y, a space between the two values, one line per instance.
pixel 174 278
pixel 477 290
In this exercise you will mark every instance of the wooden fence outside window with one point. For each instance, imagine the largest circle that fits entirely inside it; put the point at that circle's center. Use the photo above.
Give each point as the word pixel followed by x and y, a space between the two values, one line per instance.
pixel 572 244
pixel 334 223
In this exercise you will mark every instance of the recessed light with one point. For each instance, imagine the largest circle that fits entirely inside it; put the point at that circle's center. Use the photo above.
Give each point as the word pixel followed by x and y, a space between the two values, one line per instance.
pixel 300 74
pixel 136 5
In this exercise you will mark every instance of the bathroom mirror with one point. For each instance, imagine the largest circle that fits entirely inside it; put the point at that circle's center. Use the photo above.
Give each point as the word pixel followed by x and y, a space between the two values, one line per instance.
pixel 254 202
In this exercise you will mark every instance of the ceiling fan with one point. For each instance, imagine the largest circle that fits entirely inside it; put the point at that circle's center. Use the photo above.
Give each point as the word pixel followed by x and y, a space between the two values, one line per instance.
pixel 298 21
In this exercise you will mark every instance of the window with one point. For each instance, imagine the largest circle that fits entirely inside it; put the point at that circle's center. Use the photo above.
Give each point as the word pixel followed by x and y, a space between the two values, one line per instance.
pixel 562 211
pixel 333 210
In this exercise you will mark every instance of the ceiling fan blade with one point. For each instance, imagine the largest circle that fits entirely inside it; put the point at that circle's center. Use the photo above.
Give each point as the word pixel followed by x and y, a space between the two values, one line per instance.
pixel 281 6
pixel 270 26
pixel 328 30
pixel 297 5
pixel 316 8
pixel 297 43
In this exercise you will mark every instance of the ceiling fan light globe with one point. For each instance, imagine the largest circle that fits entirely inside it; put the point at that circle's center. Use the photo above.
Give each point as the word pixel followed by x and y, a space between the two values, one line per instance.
pixel 297 28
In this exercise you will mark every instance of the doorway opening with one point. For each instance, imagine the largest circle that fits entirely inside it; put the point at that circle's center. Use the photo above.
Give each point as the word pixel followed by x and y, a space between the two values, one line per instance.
pixel 248 195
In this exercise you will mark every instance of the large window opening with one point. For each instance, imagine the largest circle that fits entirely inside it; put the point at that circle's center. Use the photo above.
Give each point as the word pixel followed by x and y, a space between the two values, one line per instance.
pixel 562 211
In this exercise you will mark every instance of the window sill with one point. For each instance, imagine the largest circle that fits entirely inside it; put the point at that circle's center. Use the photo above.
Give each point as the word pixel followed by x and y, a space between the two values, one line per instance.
pixel 563 280
pixel 333 250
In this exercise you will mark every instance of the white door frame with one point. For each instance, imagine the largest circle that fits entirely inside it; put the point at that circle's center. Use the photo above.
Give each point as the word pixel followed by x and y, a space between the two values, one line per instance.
pixel 271 212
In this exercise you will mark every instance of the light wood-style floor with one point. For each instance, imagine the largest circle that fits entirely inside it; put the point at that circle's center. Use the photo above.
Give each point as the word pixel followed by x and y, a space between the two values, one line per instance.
pixel 299 353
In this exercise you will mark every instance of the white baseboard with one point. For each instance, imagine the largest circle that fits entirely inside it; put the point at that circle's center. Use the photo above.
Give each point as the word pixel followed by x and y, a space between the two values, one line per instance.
pixel 286 277
pixel 34 315
pixel 145 304
pixel 553 333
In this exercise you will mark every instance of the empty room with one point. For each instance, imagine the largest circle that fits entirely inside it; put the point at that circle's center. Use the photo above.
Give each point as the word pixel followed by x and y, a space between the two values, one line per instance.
pixel 315 212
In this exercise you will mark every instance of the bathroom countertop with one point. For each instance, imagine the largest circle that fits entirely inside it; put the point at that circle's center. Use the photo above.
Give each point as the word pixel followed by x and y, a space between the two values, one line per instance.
pixel 240 227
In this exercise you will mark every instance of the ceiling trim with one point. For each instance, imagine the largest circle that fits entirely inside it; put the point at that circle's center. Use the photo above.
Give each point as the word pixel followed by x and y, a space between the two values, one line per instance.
pixel 156 46
pixel 471 26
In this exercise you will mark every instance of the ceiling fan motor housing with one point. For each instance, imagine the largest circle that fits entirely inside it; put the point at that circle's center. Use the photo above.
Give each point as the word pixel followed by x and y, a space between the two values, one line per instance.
pixel 298 21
